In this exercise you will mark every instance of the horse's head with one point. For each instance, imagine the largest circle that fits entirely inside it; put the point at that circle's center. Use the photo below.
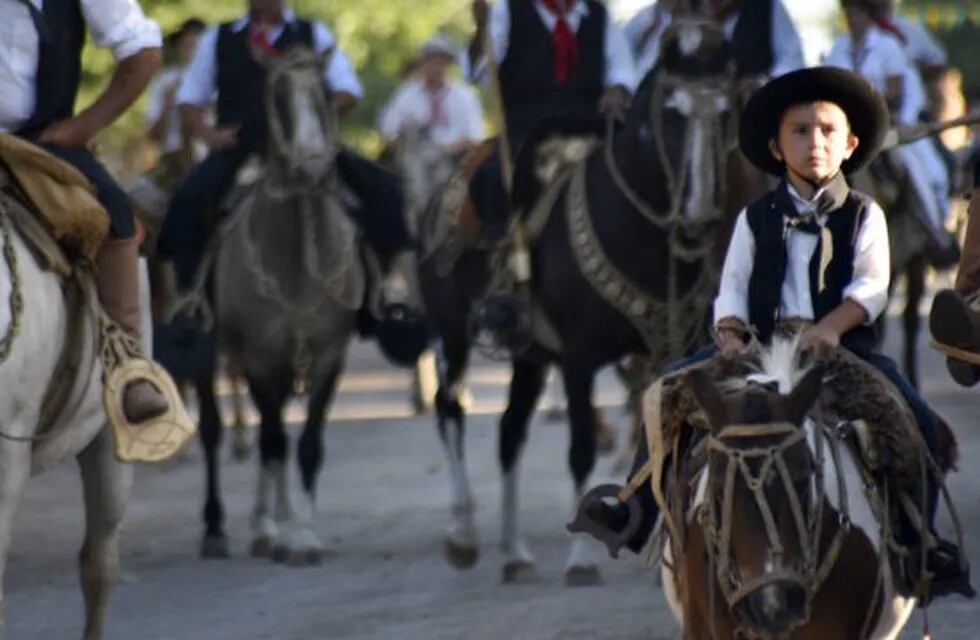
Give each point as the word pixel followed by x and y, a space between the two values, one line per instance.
pixel 685 109
pixel 762 508
pixel 303 128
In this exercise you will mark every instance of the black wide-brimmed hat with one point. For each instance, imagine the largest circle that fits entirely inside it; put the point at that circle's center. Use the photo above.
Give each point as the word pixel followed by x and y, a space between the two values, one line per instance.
pixel 866 112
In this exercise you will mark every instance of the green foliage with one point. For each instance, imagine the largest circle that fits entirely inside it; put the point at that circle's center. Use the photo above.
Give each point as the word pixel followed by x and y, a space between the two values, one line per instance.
pixel 380 36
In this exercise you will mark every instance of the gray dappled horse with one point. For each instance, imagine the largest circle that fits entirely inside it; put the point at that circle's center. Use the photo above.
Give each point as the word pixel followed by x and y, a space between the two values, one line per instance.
pixel 656 188
pixel 288 283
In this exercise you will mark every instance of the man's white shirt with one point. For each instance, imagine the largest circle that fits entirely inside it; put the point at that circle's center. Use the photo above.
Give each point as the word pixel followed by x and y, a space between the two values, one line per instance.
pixel 412 106
pixel 878 57
pixel 619 69
pixel 786 46
pixel 118 25
pixel 200 82
pixel 868 286
pixel 920 46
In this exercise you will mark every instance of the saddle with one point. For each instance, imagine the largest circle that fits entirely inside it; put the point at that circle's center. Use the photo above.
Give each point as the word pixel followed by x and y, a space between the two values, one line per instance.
pixel 60 198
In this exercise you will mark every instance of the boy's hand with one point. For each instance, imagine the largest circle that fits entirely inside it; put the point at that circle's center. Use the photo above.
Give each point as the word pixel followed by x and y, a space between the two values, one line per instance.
pixel 819 340
pixel 730 344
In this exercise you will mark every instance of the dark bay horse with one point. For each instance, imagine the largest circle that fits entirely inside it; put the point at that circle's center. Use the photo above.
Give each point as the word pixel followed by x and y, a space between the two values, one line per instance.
pixel 780 538
pixel 288 284
pixel 624 264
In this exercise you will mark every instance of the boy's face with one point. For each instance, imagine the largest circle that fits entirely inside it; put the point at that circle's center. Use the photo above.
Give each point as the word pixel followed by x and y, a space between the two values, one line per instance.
pixel 814 139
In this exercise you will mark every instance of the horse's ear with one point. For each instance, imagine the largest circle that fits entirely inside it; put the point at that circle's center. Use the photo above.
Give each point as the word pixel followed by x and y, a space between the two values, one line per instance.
pixel 708 397
pixel 804 394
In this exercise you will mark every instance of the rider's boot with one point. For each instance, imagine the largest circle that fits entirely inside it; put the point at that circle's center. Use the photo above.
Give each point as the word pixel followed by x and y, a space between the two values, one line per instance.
pixel 505 313
pixel 117 280
pixel 955 316
pixel 955 320
pixel 401 283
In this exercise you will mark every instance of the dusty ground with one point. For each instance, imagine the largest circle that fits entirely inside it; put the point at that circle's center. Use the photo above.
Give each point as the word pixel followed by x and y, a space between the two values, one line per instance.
pixel 383 504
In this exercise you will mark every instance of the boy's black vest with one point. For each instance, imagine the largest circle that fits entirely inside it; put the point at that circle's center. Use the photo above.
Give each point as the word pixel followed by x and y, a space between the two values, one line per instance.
pixel 846 209
pixel 752 38
pixel 527 73
pixel 241 80
pixel 59 67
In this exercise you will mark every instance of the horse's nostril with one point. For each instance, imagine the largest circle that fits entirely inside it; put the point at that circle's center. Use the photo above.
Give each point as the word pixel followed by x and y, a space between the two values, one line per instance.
pixel 775 609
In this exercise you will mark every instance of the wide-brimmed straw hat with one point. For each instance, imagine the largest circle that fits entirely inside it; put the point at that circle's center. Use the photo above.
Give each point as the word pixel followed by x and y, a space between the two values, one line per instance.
pixel 866 113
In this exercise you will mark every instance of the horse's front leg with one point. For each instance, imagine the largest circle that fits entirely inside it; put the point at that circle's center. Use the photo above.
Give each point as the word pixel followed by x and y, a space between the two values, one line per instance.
pixel 305 547
pixel 106 483
pixel 582 568
pixel 525 388
pixel 915 273
pixel 15 468
pixel 272 510
pixel 215 542
pixel 462 546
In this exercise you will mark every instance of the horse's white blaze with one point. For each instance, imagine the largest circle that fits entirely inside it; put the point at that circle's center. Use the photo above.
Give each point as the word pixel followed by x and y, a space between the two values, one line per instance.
pixel 309 136
pixel 690 39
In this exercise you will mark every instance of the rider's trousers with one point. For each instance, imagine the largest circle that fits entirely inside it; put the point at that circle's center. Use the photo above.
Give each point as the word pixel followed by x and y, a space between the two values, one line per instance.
pixel 194 208
pixel 108 192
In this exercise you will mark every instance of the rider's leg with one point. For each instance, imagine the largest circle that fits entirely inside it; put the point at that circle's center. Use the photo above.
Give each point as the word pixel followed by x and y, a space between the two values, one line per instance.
pixel 489 197
pixel 381 218
pixel 186 230
pixel 943 561
pixel 955 315
pixel 616 516
pixel 117 274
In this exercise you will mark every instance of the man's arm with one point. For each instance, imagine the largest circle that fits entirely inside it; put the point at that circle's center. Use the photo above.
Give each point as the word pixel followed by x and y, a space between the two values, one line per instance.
pixel 130 79
pixel 339 74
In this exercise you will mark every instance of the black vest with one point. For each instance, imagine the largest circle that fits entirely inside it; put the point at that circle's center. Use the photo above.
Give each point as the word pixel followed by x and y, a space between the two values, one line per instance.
pixel 241 80
pixel 59 67
pixel 752 38
pixel 527 73
pixel 766 220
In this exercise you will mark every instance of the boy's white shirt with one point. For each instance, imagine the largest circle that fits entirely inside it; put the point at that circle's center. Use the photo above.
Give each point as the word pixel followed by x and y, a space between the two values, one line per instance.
pixel 868 288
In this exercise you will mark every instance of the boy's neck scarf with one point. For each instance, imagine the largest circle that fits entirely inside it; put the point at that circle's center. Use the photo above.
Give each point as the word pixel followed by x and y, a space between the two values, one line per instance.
pixel 831 198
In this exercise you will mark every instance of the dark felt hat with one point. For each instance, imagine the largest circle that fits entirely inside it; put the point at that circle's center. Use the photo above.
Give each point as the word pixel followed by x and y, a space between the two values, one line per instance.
pixel 866 113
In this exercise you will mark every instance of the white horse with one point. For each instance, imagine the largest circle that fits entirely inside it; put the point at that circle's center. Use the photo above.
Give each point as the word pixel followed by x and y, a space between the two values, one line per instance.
pixel 53 409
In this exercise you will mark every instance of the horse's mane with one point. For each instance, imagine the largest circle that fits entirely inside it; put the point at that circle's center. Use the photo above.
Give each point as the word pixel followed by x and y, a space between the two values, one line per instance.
pixel 777 363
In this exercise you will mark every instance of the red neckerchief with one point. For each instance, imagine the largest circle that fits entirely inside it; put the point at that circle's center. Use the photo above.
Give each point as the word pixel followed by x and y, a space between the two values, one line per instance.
pixel 260 40
pixel 563 39
pixel 887 25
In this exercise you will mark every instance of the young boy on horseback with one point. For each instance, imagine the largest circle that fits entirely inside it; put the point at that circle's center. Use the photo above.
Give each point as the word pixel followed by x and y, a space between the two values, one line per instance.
pixel 811 252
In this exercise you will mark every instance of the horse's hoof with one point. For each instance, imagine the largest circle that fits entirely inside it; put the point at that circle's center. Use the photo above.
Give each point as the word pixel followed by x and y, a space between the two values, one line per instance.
pixel 304 558
pixel 605 441
pixel 240 452
pixel 214 548
pixel 280 553
pixel 520 572
pixel 587 576
pixel 261 547
pixel 460 556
